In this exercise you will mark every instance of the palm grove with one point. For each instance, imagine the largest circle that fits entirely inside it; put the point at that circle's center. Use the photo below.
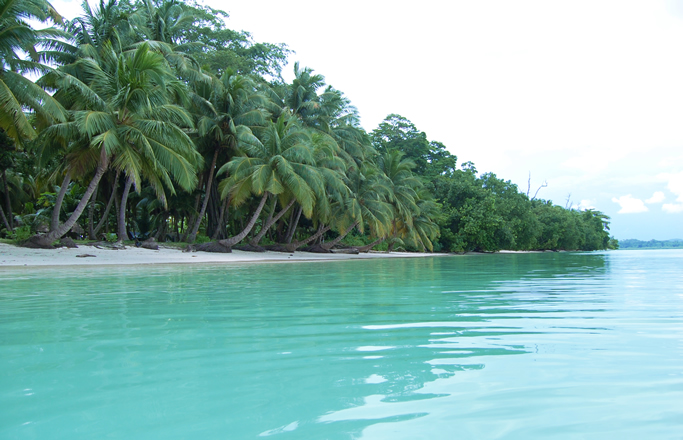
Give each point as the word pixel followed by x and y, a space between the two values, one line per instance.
pixel 153 119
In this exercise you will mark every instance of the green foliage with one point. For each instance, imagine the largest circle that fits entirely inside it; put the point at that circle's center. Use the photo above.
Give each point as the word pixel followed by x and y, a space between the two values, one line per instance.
pixel 355 240
pixel 397 133
pixel 470 220
pixel 201 31
pixel 17 92
pixel 7 151
pixel 21 233
pixel 489 214
pixel 202 239
pixel 281 164
pixel 111 237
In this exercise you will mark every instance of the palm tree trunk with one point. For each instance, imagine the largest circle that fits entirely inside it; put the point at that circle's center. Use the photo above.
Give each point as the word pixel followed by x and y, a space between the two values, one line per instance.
pixel 282 237
pixel 193 233
pixel 122 210
pixel 230 242
pixel 392 243
pixel 4 220
pixel 54 223
pixel 66 226
pixel 255 241
pixel 297 244
pixel 371 245
pixel 333 243
pixel 213 210
pixel 270 216
pixel 163 225
pixel 219 228
pixel 91 214
pixel 105 217
pixel 280 232
pixel 8 202
pixel 117 205
pixel 191 218
pixel 293 225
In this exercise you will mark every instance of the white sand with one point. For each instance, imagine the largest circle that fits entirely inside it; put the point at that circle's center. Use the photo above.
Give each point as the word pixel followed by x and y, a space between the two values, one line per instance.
pixel 13 256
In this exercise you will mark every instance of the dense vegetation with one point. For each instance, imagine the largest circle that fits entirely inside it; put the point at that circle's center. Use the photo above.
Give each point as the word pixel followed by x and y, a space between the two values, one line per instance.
pixel 652 244
pixel 153 119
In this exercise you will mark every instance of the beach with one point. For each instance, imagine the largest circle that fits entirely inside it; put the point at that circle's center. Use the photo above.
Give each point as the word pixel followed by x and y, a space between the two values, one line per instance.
pixel 14 256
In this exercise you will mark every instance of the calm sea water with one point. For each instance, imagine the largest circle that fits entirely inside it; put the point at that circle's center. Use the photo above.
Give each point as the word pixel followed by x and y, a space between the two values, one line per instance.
pixel 528 346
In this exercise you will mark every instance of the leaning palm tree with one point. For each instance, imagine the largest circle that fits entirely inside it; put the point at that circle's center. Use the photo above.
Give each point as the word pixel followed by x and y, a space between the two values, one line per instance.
pixel 16 91
pixel 424 228
pixel 76 160
pixel 129 121
pixel 282 165
pixel 329 187
pixel 403 195
pixel 233 108
pixel 366 205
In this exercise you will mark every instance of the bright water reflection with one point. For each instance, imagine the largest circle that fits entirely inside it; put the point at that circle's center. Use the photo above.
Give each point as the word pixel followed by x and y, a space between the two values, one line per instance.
pixel 494 346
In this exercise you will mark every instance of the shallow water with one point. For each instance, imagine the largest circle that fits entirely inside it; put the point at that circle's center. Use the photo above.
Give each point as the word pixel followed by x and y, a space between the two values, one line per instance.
pixel 528 346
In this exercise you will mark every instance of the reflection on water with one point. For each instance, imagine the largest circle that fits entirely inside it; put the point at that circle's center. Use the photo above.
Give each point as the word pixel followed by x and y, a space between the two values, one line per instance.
pixel 490 346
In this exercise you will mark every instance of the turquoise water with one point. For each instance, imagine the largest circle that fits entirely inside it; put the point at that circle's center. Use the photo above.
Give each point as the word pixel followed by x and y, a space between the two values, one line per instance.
pixel 528 346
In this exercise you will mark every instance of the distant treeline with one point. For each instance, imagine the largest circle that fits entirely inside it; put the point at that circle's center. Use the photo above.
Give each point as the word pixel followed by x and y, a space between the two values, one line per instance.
pixel 652 244
pixel 481 212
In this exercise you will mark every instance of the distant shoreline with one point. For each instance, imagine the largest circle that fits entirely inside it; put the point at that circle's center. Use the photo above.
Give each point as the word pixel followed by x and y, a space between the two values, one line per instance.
pixel 632 243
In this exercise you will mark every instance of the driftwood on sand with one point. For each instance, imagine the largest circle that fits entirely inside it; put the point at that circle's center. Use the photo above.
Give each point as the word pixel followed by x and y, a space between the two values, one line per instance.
pixel 150 243
pixel 67 242
pixel 316 249
pixel 248 247
pixel 352 251
pixel 213 246
pixel 37 242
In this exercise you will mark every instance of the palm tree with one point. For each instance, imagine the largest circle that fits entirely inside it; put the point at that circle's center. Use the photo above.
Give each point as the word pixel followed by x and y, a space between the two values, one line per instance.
pixel 281 165
pixel 424 229
pixel 403 191
pixel 7 162
pixel 166 21
pixel 329 188
pixel 331 118
pixel 108 23
pixel 16 91
pixel 234 109
pixel 164 26
pixel 78 162
pixel 131 121
pixel 302 97
pixel 366 205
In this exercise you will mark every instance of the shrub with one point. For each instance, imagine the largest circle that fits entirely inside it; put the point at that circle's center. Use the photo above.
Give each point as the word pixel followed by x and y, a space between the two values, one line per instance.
pixel 202 239
pixel 21 233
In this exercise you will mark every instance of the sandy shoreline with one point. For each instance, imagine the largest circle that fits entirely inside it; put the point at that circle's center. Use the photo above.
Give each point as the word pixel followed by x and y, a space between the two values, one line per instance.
pixel 13 256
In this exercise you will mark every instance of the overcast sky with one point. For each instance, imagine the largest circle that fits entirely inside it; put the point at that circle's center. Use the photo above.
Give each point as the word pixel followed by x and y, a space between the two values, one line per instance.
pixel 584 95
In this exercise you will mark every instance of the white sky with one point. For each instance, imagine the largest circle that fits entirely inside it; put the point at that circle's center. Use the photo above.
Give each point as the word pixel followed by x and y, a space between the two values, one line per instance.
pixel 586 95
